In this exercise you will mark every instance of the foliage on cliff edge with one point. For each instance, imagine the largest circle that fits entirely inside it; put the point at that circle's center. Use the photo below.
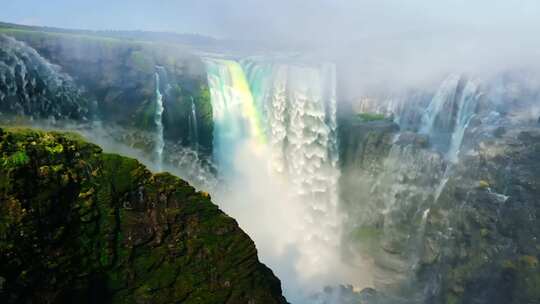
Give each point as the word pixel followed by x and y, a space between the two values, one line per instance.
pixel 80 225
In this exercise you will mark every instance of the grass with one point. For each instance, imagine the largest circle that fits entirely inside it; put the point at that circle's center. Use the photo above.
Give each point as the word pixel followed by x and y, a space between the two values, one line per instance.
pixel 371 116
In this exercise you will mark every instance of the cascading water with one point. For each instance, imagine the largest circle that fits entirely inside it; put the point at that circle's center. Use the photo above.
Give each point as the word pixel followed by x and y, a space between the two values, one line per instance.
pixel 286 114
pixel 436 120
pixel 236 118
pixel 30 85
pixel 466 110
pixel 310 145
pixel 447 116
pixel 158 119
pixel 193 126
pixel 450 112
pixel 259 76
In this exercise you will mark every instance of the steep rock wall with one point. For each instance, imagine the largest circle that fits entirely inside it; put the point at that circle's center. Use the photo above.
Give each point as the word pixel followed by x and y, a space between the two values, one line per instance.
pixel 77 224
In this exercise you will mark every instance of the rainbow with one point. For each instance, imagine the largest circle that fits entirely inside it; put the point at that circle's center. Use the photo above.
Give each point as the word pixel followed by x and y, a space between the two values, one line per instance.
pixel 231 92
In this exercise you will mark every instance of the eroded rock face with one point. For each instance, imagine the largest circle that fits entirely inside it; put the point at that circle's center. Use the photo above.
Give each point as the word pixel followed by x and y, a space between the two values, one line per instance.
pixel 484 233
pixel 105 79
pixel 79 225
pixel 445 231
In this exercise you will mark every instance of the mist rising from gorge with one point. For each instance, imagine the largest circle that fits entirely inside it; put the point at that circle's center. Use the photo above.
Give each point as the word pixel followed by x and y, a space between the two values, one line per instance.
pixel 278 76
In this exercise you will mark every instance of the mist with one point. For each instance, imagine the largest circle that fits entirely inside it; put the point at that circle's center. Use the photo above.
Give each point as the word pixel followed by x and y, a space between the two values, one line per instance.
pixel 375 49
pixel 377 44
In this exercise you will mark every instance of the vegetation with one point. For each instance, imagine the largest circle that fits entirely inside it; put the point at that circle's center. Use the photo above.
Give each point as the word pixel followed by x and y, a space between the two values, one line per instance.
pixel 371 116
pixel 79 225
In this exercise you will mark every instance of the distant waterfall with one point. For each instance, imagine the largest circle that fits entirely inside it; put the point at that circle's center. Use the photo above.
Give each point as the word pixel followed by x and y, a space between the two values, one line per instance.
pixel 158 119
pixel 446 118
pixel 466 110
pixel 32 86
pixel 437 110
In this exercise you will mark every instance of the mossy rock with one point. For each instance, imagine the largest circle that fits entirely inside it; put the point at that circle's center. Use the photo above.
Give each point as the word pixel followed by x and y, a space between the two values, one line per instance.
pixel 371 116
pixel 79 225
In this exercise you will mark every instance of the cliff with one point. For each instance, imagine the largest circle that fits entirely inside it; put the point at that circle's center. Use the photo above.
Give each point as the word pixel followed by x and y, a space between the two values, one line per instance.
pixel 439 231
pixel 79 225
pixel 115 77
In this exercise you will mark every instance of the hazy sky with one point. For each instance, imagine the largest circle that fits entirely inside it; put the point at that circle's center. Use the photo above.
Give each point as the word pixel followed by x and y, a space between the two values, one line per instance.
pixel 379 41
pixel 274 19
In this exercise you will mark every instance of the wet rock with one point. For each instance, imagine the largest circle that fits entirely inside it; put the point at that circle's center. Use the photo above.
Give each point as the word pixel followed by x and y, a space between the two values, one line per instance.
pixel 414 139
pixel 499 132
pixel 464 230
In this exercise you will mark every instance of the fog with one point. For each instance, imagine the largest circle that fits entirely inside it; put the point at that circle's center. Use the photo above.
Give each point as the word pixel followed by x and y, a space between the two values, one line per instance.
pixel 377 44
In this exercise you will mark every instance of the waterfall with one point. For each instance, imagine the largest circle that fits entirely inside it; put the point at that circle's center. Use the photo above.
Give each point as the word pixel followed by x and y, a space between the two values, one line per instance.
pixel 285 113
pixel 466 110
pixel 235 116
pixel 447 117
pixel 259 76
pixel 158 119
pixel 439 111
pixel 193 126
pixel 32 86
pixel 311 152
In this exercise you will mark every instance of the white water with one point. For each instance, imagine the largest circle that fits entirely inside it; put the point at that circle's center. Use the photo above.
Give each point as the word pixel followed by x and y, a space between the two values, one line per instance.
pixel 30 85
pixel 450 112
pixel 275 144
pixel 466 110
pixel 193 126
pixel 445 95
pixel 158 119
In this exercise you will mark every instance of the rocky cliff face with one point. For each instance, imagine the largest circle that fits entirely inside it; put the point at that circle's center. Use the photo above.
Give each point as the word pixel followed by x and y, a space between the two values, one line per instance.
pixel 454 225
pixel 117 78
pixel 79 225
pixel 482 238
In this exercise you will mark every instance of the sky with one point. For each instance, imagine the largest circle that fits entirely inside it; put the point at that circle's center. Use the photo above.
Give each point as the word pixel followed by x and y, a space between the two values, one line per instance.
pixel 291 19
pixel 389 40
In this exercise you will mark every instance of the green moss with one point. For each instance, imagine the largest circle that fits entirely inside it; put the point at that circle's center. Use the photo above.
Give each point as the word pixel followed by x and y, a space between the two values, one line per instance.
pixel 484 232
pixel 452 299
pixel 525 272
pixel 367 239
pixel 371 116
pixel 205 118
pixel 17 159
pixel 529 261
pixel 367 234
pixel 79 217
pixel 55 149
pixel 145 116
pixel 483 184
pixel 123 172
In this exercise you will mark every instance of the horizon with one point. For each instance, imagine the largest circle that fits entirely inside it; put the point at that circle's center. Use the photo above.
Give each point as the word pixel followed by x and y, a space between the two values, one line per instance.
pixel 380 38
pixel 295 20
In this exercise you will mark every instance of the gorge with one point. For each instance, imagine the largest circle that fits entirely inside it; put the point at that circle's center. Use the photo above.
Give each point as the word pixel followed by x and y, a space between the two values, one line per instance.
pixel 425 194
